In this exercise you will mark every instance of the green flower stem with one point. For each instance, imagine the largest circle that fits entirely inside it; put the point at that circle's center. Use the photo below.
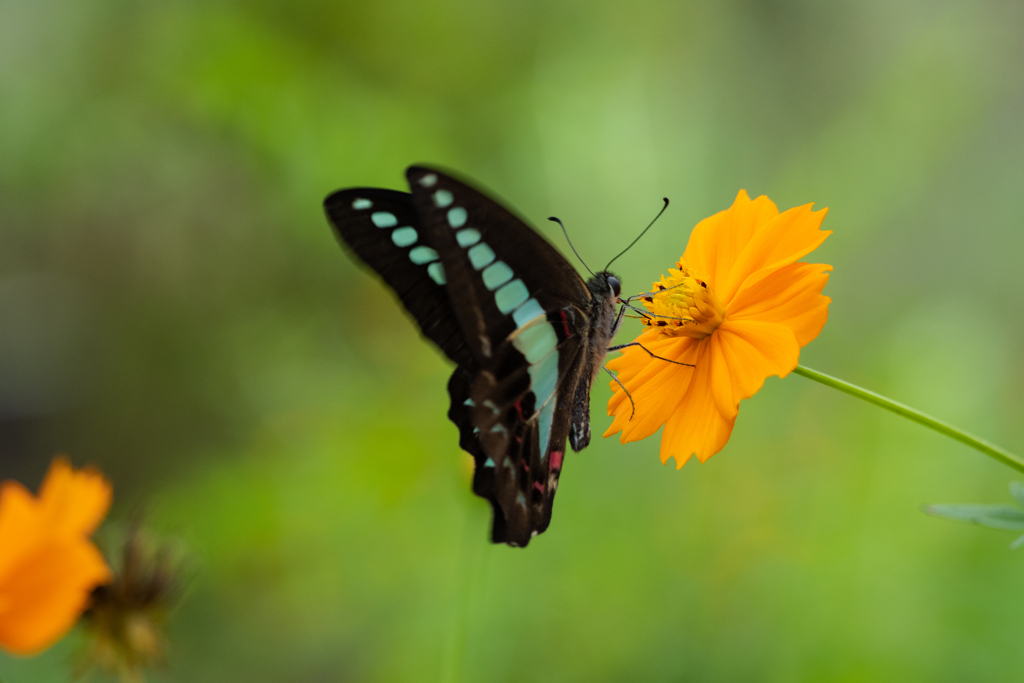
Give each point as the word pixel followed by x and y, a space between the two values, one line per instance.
pixel 989 449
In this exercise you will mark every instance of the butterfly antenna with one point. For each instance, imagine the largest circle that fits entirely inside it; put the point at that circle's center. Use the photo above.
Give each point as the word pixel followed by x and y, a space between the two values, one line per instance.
pixel 665 199
pixel 566 233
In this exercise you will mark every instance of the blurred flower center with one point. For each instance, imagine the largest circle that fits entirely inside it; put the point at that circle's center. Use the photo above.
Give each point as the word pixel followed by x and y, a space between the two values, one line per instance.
pixel 683 305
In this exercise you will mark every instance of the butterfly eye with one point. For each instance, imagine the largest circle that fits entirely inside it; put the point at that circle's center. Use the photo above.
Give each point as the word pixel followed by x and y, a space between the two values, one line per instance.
pixel 613 282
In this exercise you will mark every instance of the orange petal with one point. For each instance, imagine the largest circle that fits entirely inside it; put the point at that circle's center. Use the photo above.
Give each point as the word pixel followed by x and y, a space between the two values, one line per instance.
pixel 656 386
pixel 745 353
pixel 20 525
pixel 717 242
pixel 696 427
pixel 655 401
pixel 74 501
pixel 636 369
pixel 781 241
pixel 791 296
pixel 722 389
pixel 634 362
pixel 42 596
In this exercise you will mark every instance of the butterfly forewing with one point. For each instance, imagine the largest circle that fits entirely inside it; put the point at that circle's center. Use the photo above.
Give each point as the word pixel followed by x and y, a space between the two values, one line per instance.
pixel 384 230
pixel 507 284
pixel 501 273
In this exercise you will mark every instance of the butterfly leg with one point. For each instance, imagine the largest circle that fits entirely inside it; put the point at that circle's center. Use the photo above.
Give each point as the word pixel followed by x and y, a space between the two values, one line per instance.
pixel 628 395
pixel 622 312
pixel 644 295
pixel 652 355
pixel 646 314
pixel 625 303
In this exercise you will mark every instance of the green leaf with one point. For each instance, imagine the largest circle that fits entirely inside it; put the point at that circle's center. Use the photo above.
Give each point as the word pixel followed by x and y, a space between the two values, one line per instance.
pixel 1017 491
pixel 1017 543
pixel 992 516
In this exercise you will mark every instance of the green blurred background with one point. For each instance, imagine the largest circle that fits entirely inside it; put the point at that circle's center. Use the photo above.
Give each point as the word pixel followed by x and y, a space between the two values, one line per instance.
pixel 175 309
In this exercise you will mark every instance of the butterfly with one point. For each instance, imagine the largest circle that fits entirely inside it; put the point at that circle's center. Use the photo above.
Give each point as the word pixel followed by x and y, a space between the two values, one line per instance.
pixel 527 334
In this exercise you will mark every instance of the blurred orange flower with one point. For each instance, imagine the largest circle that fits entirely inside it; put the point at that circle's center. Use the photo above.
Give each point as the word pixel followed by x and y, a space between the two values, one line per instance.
pixel 48 565
pixel 738 307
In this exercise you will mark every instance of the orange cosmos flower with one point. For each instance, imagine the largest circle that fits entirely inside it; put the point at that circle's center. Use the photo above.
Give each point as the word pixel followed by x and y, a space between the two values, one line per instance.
pixel 738 308
pixel 48 565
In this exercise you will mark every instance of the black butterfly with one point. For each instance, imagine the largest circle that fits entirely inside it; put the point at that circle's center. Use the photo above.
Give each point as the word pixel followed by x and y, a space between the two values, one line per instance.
pixel 527 333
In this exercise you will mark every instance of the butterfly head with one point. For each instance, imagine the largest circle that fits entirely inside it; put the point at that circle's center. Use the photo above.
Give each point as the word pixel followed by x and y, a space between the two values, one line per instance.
pixel 605 288
pixel 614 285
pixel 605 285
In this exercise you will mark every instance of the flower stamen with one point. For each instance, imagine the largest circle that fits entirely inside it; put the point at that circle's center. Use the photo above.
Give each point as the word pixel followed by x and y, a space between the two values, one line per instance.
pixel 683 305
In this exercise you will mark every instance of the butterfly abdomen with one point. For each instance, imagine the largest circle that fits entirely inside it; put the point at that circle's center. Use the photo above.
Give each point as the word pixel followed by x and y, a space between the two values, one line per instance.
pixel 602 330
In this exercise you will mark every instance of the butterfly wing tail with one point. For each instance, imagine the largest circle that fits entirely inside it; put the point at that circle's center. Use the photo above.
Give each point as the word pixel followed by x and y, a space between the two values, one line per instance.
pixel 524 438
pixel 484 474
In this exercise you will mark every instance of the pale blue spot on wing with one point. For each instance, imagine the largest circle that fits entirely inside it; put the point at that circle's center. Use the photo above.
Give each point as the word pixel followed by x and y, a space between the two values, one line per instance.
pixel 403 237
pixel 521 499
pixel 543 379
pixel 535 342
pixel 443 198
pixel 496 274
pixel 547 416
pixel 499 428
pixel 527 312
pixel 488 463
pixel 436 272
pixel 361 204
pixel 467 237
pixel 457 217
pixel 481 255
pixel 421 255
pixel 428 180
pixel 383 219
pixel 469 402
pixel 510 296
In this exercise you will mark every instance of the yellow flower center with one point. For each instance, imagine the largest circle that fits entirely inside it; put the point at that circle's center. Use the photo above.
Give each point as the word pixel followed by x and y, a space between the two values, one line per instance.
pixel 683 305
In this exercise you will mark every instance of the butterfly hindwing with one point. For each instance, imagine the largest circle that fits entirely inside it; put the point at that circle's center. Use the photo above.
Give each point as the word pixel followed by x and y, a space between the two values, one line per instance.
pixel 461 413
pixel 384 230
pixel 522 413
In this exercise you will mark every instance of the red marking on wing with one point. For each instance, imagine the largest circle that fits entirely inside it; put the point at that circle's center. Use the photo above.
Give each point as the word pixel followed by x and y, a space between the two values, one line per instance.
pixel 539 486
pixel 556 460
pixel 519 408
pixel 565 324
pixel 525 466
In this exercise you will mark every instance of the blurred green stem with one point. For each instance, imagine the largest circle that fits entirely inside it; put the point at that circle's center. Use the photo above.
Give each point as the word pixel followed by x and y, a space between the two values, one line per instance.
pixel 989 449
pixel 473 563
